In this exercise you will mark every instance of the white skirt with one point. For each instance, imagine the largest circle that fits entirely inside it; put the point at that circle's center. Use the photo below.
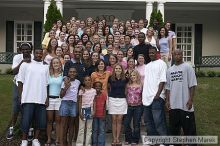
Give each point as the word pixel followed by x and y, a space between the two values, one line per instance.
pixel 117 106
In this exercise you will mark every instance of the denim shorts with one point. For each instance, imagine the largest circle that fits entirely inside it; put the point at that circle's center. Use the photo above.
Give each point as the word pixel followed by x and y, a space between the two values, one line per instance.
pixel 33 113
pixel 68 108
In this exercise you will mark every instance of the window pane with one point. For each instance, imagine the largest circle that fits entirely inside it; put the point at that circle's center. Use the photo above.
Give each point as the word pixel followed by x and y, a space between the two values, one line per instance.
pixel 29 32
pixel 18 31
pixel 18 38
pixel 29 38
pixel 29 26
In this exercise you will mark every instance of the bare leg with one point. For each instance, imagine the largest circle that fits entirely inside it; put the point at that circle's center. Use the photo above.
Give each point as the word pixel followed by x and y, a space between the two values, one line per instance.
pixel 50 120
pixel 71 129
pixel 114 130
pixel 63 131
pixel 57 118
pixel 118 126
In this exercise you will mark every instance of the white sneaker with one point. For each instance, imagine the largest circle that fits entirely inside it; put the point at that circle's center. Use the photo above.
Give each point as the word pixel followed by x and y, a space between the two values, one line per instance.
pixel 35 142
pixel 24 143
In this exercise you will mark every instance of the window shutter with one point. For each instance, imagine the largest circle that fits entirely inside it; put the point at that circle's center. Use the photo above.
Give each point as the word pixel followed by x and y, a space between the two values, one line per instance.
pixel 9 36
pixel 198 43
pixel 37 34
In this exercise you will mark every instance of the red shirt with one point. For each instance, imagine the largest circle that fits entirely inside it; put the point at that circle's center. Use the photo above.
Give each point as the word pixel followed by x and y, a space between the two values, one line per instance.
pixel 100 104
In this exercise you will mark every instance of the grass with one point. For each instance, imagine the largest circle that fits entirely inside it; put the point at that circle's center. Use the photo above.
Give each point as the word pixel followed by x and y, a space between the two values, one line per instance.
pixel 206 104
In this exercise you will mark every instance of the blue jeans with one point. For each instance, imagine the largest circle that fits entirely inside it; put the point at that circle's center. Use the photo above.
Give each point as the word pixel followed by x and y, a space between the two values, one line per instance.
pixel 87 113
pixel 32 112
pixel 133 113
pixel 98 132
pixel 154 118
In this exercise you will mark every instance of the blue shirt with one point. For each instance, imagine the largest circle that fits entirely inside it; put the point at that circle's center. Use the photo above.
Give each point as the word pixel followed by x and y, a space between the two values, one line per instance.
pixel 164 45
pixel 55 85
pixel 117 88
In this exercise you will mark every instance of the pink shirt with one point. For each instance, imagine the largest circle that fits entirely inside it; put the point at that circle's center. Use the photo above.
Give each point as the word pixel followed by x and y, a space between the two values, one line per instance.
pixel 134 95
pixel 87 97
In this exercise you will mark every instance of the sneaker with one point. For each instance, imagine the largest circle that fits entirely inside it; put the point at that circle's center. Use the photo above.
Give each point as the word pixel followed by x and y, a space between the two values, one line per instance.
pixel 30 136
pixel 35 142
pixel 24 143
pixel 10 133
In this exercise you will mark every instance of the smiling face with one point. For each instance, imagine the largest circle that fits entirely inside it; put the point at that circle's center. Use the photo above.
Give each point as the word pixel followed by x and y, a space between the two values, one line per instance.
pixel 101 66
pixel 87 81
pixel 85 55
pixel 140 60
pixel 118 70
pixel 72 73
pixel 59 51
pixel 112 60
pixel 56 64
pixel 95 56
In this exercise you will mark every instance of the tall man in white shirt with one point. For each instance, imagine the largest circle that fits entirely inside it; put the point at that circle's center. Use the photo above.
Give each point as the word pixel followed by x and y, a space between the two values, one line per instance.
pixel 153 95
pixel 18 59
pixel 32 87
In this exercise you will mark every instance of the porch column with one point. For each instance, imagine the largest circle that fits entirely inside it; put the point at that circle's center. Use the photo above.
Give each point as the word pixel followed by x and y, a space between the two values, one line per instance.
pixel 160 6
pixel 149 9
pixel 46 5
pixel 59 4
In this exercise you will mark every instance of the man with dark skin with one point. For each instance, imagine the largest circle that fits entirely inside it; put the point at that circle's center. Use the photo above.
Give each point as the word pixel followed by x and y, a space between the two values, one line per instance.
pixel 180 89
pixel 18 59
pixel 153 95
pixel 32 88
pixel 142 48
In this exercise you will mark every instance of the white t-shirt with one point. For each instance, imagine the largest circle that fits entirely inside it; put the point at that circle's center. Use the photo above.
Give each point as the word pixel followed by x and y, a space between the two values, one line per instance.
pixel 72 91
pixel 16 61
pixel 34 77
pixel 144 30
pixel 48 59
pixel 155 72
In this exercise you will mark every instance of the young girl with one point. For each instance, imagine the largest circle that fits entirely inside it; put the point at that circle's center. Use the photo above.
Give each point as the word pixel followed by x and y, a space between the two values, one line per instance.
pixel 68 107
pixel 98 127
pixel 134 100
pixel 55 81
pixel 86 111
pixel 117 101
pixel 131 67
pixel 53 44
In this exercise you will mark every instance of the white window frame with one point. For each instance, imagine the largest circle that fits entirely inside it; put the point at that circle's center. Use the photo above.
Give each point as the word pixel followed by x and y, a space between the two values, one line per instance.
pixel 15 32
pixel 192 36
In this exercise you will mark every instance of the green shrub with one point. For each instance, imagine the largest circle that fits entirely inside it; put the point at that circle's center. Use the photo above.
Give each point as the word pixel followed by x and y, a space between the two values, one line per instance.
pixel 9 71
pixel 53 14
pixel 200 73
pixel 211 73
pixel 218 74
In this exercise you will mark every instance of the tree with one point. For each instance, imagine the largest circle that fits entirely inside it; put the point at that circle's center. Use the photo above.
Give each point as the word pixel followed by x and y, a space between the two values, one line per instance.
pixel 53 14
pixel 156 19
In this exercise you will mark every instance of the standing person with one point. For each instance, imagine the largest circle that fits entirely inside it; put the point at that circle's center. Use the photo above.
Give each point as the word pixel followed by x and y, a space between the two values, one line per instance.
pixel 98 127
pixel 51 50
pixel 140 67
pixel 131 67
pixel 68 107
pixel 54 82
pixel 181 83
pixel 117 101
pixel 164 44
pixel 86 112
pixel 153 95
pixel 142 48
pixel 101 75
pixel 134 99
pixel 18 59
pixel 32 87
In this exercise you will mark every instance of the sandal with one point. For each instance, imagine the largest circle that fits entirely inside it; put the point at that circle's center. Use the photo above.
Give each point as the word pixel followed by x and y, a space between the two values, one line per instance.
pixel 47 144
pixel 126 143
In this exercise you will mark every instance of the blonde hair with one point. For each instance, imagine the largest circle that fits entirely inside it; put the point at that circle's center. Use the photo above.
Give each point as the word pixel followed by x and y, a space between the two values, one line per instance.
pixel 51 69
pixel 122 76
pixel 138 76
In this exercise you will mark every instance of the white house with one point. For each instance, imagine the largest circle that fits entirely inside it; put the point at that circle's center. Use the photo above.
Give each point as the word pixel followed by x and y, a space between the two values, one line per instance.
pixel 196 22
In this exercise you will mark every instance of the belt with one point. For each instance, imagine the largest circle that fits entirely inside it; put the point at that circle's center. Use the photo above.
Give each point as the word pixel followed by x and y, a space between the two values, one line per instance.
pixel 54 97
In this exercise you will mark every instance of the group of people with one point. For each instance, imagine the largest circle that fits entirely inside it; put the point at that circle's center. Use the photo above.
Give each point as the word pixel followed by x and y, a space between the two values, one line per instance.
pixel 90 77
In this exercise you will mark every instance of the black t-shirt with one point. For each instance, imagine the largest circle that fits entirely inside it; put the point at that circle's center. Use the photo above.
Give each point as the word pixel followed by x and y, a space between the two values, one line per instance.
pixel 142 49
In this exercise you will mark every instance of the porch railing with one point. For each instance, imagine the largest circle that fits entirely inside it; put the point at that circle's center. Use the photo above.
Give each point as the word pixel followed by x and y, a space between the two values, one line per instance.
pixel 6 57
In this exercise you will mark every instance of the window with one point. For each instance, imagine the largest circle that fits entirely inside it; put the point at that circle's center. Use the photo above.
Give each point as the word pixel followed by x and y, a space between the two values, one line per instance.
pixel 185 41
pixel 24 32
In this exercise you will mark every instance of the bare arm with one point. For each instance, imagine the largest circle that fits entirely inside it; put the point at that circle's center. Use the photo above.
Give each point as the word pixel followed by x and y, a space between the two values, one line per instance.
pixel 191 94
pixel 160 89
pixel 20 89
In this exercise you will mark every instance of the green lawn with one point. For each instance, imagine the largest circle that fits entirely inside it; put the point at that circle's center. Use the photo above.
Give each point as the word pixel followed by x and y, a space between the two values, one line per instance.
pixel 207 108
